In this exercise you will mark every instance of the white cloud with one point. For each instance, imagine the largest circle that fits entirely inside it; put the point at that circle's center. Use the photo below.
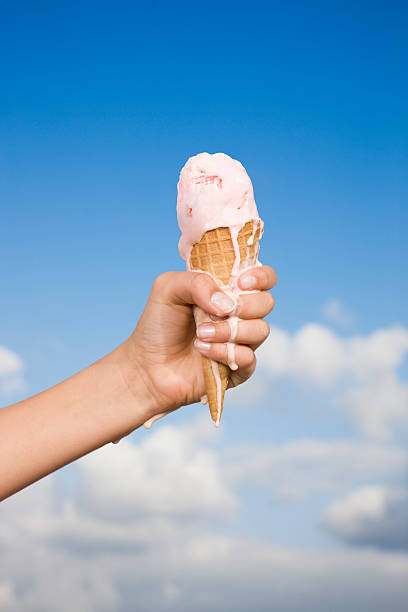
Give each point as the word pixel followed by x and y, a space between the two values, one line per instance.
pixel 127 494
pixel 144 524
pixel 359 372
pixel 375 516
pixel 177 569
pixel 333 310
pixel 376 405
pixel 169 473
pixel 314 354
pixel 11 367
pixel 10 362
pixel 318 356
pixel 297 469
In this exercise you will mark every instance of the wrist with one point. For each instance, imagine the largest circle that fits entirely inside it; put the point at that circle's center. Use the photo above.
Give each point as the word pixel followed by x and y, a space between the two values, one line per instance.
pixel 137 386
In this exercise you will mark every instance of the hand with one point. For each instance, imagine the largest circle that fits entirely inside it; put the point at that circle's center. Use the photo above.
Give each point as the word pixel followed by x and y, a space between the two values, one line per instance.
pixel 164 349
pixel 155 371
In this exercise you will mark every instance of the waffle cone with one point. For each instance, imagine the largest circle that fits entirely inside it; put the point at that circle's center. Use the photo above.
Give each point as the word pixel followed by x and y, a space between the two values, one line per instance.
pixel 215 254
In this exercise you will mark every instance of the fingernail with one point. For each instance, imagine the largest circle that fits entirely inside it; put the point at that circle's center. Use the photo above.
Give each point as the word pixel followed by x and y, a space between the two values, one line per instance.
pixel 206 330
pixel 248 282
pixel 222 302
pixel 202 346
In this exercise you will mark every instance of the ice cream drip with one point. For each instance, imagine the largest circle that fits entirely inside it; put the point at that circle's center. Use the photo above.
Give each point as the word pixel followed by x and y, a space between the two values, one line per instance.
pixel 215 191
pixel 233 324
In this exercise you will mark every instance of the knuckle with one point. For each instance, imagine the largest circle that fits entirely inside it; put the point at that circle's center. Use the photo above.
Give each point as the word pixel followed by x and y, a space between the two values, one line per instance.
pixel 218 350
pixel 265 331
pixel 225 352
pixel 263 276
pixel 270 302
pixel 248 357
pixel 223 330
pixel 239 306
pixel 199 281
pixel 271 276
pixel 251 359
pixel 162 280
pixel 246 304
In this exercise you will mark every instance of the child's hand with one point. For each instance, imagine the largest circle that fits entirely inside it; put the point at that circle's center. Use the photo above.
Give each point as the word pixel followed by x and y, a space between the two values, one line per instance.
pixel 165 350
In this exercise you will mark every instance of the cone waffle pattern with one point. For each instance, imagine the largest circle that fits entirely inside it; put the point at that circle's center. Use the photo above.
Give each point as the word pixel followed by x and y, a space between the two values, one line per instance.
pixel 215 254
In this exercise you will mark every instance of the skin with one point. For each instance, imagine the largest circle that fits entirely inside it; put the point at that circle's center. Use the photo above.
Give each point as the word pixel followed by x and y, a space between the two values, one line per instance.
pixel 154 372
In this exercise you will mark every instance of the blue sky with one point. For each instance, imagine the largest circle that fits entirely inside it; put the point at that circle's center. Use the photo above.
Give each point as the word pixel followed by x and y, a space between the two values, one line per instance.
pixel 101 104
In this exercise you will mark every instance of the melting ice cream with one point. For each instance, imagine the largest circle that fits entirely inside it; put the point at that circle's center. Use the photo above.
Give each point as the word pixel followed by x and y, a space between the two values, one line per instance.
pixel 214 191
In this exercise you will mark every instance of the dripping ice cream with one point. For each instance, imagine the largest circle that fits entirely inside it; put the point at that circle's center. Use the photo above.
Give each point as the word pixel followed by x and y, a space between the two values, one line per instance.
pixel 221 229
pixel 213 191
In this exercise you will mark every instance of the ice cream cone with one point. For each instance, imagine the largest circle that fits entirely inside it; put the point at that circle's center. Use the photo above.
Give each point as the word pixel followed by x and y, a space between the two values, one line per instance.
pixel 217 255
pixel 220 232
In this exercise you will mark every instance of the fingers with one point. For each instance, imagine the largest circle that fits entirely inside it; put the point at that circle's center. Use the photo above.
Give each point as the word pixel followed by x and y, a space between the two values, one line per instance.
pixel 244 356
pixel 255 305
pixel 200 289
pixel 239 376
pixel 193 288
pixel 252 332
pixel 261 279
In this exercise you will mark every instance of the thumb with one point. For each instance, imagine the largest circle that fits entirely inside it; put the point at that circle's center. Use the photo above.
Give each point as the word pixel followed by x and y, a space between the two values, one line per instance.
pixel 193 288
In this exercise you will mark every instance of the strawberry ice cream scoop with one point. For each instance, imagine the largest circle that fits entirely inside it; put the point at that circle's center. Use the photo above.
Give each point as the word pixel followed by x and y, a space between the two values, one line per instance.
pixel 213 191
pixel 220 236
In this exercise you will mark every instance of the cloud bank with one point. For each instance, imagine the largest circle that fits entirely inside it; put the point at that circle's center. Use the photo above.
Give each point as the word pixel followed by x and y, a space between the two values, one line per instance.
pixel 150 525
pixel 296 470
pixel 372 516
pixel 359 374
pixel 147 523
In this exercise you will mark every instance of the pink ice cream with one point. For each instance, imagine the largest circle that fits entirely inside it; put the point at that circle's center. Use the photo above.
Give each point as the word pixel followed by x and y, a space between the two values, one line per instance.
pixel 213 191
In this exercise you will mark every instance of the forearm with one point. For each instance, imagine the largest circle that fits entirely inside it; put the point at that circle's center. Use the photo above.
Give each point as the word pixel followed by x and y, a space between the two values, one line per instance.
pixel 57 426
